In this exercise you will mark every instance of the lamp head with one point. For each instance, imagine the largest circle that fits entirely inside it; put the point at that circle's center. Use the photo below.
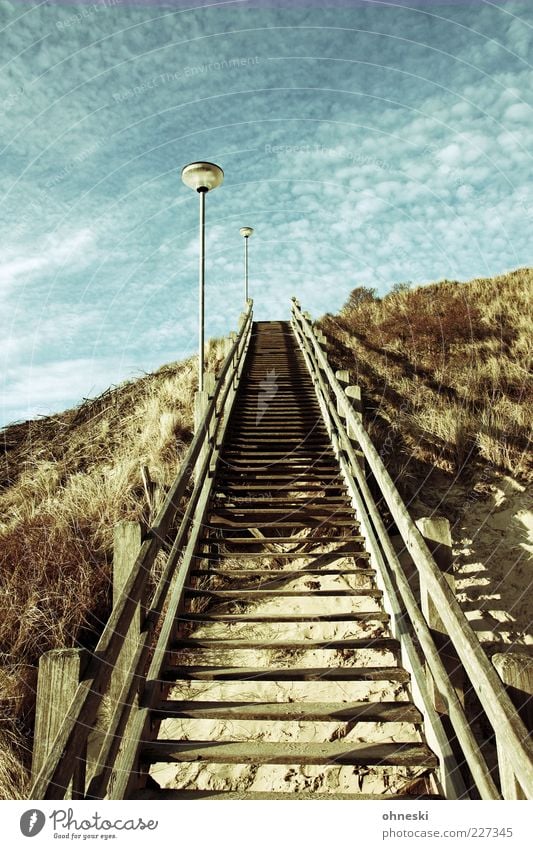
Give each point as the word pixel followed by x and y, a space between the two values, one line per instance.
pixel 246 231
pixel 202 176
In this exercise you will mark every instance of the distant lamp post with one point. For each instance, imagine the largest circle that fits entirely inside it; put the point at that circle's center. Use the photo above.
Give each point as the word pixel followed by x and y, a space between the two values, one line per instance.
pixel 246 232
pixel 202 177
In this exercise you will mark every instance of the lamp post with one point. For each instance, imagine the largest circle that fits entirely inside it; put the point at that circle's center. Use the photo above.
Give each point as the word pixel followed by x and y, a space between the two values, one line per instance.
pixel 202 177
pixel 246 232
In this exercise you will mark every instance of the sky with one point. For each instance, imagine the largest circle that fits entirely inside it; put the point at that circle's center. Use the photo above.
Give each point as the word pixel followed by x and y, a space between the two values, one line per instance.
pixel 366 142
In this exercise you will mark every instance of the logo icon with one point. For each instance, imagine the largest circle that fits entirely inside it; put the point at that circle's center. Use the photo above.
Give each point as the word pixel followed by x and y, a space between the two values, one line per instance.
pixel 32 822
pixel 267 392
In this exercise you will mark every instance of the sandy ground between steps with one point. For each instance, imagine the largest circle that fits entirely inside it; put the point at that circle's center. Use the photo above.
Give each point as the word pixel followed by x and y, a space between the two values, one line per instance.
pixel 287 778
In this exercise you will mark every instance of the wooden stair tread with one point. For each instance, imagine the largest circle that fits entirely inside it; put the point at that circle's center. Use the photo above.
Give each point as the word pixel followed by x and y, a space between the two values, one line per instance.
pixel 292 711
pixel 261 673
pixel 259 593
pixel 355 616
pixel 278 573
pixel 279 540
pixel 315 487
pixel 239 503
pixel 282 555
pixel 371 643
pixel 339 752
pixel 342 511
pixel 275 522
pixel 289 796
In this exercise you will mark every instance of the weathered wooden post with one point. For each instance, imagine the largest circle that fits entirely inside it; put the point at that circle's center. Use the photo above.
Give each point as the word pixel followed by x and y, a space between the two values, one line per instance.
pixel 321 338
pixel 436 531
pixel 353 394
pixel 59 675
pixel 516 672
pixel 150 491
pixel 127 538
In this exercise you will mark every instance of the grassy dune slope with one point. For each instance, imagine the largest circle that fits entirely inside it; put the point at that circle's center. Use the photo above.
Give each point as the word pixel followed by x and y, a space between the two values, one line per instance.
pixel 445 371
pixel 65 481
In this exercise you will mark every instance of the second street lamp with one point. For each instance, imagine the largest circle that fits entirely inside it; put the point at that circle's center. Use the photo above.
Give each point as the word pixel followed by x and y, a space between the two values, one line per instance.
pixel 202 177
pixel 246 232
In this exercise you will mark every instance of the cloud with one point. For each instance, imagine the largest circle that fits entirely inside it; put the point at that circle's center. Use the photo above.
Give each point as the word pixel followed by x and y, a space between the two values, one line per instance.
pixel 45 388
pixel 365 146
pixel 519 113
pixel 49 256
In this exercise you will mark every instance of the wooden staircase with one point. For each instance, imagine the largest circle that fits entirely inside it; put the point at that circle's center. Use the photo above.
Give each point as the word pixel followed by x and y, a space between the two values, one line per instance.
pixel 283 679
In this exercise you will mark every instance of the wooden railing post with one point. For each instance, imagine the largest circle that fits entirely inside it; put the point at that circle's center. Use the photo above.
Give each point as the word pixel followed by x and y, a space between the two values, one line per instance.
pixel 516 672
pixel 151 491
pixel 59 675
pixel 127 538
pixel 353 394
pixel 436 531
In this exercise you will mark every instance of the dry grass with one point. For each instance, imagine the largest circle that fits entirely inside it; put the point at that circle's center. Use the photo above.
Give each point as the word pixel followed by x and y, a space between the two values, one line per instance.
pixel 445 370
pixel 64 482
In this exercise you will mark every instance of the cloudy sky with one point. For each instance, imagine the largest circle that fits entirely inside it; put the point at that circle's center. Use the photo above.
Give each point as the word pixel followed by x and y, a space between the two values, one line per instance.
pixel 366 142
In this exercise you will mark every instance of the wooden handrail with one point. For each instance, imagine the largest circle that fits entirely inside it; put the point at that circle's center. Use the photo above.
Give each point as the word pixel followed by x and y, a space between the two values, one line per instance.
pixel 383 553
pixel 70 743
pixel 511 734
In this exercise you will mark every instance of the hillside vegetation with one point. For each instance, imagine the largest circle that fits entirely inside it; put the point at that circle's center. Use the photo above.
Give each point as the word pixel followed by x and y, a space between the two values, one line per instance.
pixel 445 371
pixel 65 481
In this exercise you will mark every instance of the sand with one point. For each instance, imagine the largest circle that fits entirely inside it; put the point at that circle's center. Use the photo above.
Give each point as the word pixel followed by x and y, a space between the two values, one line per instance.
pixel 493 561
pixel 286 778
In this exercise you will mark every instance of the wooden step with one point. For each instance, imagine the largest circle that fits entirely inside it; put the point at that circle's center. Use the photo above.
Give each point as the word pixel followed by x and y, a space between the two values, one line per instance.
pixel 283 540
pixel 339 752
pixel 238 643
pixel 278 457
pixel 278 573
pixel 227 595
pixel 291 711
pixel 342 509
pixel 272 673
pixel 315 444
pixel 291 519
pixel 299 487
pixel 278 555
pixel 275 465
pixel 265 429
pixel 278 471
pixel 266 618
pixel 153 794
pixel 241 503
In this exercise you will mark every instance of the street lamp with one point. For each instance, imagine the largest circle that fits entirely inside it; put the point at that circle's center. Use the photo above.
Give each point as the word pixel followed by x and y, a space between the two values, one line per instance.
pixel 246 232
pixel 202 177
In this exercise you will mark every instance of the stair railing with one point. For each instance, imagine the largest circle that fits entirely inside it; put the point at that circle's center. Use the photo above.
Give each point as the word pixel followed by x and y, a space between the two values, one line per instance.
pixel 62 767
pixel 515 749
